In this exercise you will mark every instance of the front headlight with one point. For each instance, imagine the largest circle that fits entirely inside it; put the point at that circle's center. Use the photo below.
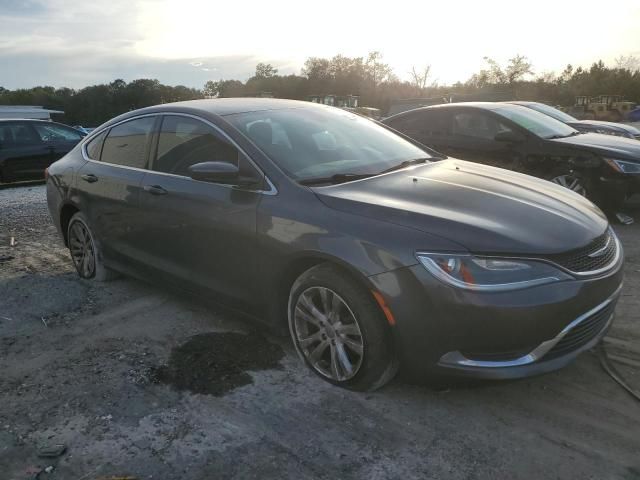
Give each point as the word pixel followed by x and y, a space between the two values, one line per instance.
pixel 489 274
pixel 623 166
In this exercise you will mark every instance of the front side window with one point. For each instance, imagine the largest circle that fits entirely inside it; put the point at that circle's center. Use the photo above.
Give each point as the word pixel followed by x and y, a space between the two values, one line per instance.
pixel 53 132
pixel 552 112
pixel 126 144
pixel 535 122
pixel 476 125
pixel 320 141
pixel 186 141
pixel 16 134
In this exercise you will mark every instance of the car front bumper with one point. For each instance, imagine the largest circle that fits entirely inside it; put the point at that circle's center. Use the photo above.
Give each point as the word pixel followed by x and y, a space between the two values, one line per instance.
pixel 443 330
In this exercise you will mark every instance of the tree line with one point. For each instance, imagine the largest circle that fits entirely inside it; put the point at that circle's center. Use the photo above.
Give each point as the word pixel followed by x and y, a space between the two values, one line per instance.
pixel 369 77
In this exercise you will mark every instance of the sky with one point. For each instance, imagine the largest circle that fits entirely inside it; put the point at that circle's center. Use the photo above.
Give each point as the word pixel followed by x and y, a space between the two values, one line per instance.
pixel 187 42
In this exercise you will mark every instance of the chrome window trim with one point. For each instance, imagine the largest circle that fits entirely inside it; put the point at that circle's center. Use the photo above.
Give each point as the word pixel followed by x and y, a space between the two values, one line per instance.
pixel 272 190
pixel 457 359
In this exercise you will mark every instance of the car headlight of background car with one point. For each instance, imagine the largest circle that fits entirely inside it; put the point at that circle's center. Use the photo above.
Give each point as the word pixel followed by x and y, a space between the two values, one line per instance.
pixel 489 274
pixel 615 133
pixel 623 166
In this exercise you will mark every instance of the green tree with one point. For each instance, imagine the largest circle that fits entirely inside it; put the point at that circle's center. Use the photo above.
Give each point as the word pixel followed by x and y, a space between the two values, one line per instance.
pixel 265 70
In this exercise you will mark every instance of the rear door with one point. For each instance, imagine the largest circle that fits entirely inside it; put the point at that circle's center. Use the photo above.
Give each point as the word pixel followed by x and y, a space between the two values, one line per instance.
pixel 23 155
pixel 431 127
pixel 109 186
pixel 202 234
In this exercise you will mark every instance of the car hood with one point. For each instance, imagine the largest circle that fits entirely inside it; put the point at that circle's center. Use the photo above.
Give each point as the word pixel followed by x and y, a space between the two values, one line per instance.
pixel 599 123
pixel 484 209
pixel 606 145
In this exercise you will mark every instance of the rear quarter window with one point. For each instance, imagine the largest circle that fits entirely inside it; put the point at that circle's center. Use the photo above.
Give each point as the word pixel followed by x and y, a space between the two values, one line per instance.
pixel 94 146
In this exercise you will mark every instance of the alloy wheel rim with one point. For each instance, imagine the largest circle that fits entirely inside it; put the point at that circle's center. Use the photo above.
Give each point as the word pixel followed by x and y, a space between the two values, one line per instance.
pixel 572 183
pixel 82 250
pixel 327 334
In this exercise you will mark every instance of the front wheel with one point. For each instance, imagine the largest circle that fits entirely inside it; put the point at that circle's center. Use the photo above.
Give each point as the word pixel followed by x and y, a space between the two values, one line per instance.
pixel 569 179
pixel 339 330
pixel 85 253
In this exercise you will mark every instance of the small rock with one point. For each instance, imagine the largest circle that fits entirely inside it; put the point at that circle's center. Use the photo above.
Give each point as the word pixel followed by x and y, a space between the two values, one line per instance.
pixel 52 451
pixel 49 469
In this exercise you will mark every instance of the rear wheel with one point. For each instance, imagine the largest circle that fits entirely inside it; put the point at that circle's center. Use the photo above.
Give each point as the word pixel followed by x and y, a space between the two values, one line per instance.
pixel 85 253
pixel 339 330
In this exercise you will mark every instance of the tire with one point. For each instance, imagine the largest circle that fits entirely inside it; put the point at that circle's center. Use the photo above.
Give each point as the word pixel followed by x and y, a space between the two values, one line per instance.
pixel 354 333
pixel 85 251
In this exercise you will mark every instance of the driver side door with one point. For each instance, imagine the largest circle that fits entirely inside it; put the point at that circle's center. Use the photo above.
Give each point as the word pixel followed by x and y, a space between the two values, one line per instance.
pixel 473 135
pixel 200 236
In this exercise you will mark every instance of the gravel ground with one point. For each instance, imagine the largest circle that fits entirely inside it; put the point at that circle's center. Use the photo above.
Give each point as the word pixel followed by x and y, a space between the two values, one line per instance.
pixel 112 372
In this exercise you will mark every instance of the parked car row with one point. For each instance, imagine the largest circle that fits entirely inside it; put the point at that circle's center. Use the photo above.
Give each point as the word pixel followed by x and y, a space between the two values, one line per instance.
pixel 604 168
pixel 593 126
pixel 374 251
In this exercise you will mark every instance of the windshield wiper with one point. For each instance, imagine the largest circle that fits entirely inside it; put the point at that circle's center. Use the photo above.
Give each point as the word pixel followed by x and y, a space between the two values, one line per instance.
pixel 572 134
pixel 334 179
pixel 406 163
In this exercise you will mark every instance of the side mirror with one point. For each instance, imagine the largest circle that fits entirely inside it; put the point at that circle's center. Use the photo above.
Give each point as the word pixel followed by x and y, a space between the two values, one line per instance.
pixel 215 172
pixel 509 136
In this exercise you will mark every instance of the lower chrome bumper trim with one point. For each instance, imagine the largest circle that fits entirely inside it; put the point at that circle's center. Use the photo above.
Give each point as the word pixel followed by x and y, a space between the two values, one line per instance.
pixel 457 359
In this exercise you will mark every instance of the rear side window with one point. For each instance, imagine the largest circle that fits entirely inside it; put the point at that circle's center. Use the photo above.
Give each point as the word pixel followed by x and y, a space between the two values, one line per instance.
pixel 410 122
pixel 127 144
pixel 56 133
pixel 94 147
pixel 186 141
pixel 16 134
pixel 426 123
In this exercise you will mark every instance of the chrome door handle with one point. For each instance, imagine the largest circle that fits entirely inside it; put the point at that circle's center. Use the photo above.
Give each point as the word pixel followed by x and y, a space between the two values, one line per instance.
pixel 89 177
pixel 155 190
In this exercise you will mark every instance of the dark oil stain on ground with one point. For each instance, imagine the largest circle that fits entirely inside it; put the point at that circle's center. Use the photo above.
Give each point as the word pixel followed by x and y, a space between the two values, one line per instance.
pixel 215 363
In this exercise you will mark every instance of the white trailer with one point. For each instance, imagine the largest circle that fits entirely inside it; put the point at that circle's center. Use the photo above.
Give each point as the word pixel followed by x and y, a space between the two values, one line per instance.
pixel 26 111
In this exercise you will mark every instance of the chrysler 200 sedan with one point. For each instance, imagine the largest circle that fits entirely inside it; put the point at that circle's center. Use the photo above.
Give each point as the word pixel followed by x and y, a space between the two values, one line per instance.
pixel 374 252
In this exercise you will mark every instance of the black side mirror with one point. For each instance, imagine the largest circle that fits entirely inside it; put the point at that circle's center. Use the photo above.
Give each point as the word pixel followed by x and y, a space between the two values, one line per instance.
pixel 215 172
pixel 509 136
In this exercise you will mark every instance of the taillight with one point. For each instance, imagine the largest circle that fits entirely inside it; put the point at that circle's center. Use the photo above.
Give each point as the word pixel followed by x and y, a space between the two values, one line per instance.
pixel 46 174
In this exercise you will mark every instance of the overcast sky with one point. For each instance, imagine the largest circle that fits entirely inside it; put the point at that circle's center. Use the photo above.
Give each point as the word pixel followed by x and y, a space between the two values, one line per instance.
pixel 72 43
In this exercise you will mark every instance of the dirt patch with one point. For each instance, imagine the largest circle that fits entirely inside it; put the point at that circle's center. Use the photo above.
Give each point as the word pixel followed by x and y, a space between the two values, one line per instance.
pixel 215 363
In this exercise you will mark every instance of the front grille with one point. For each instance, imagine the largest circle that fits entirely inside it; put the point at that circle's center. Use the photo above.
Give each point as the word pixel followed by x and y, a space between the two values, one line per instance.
pixel 595 256
pixel 497 356
pixel 582 333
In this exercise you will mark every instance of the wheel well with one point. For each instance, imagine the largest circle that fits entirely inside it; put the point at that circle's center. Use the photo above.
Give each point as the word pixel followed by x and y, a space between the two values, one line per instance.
pixel 297 268
pixel 66 213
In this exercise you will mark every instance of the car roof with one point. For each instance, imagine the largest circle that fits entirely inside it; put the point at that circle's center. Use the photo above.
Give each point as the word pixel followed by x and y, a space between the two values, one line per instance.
pixel 479 105
pixel 229 106
pixel 522 102
pixel 445 106
pixel 27 120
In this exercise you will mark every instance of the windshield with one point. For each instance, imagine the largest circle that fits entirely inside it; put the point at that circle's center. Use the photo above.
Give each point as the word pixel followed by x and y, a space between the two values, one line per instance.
pixel 552 112
pixel 322 142
pixel 537 123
